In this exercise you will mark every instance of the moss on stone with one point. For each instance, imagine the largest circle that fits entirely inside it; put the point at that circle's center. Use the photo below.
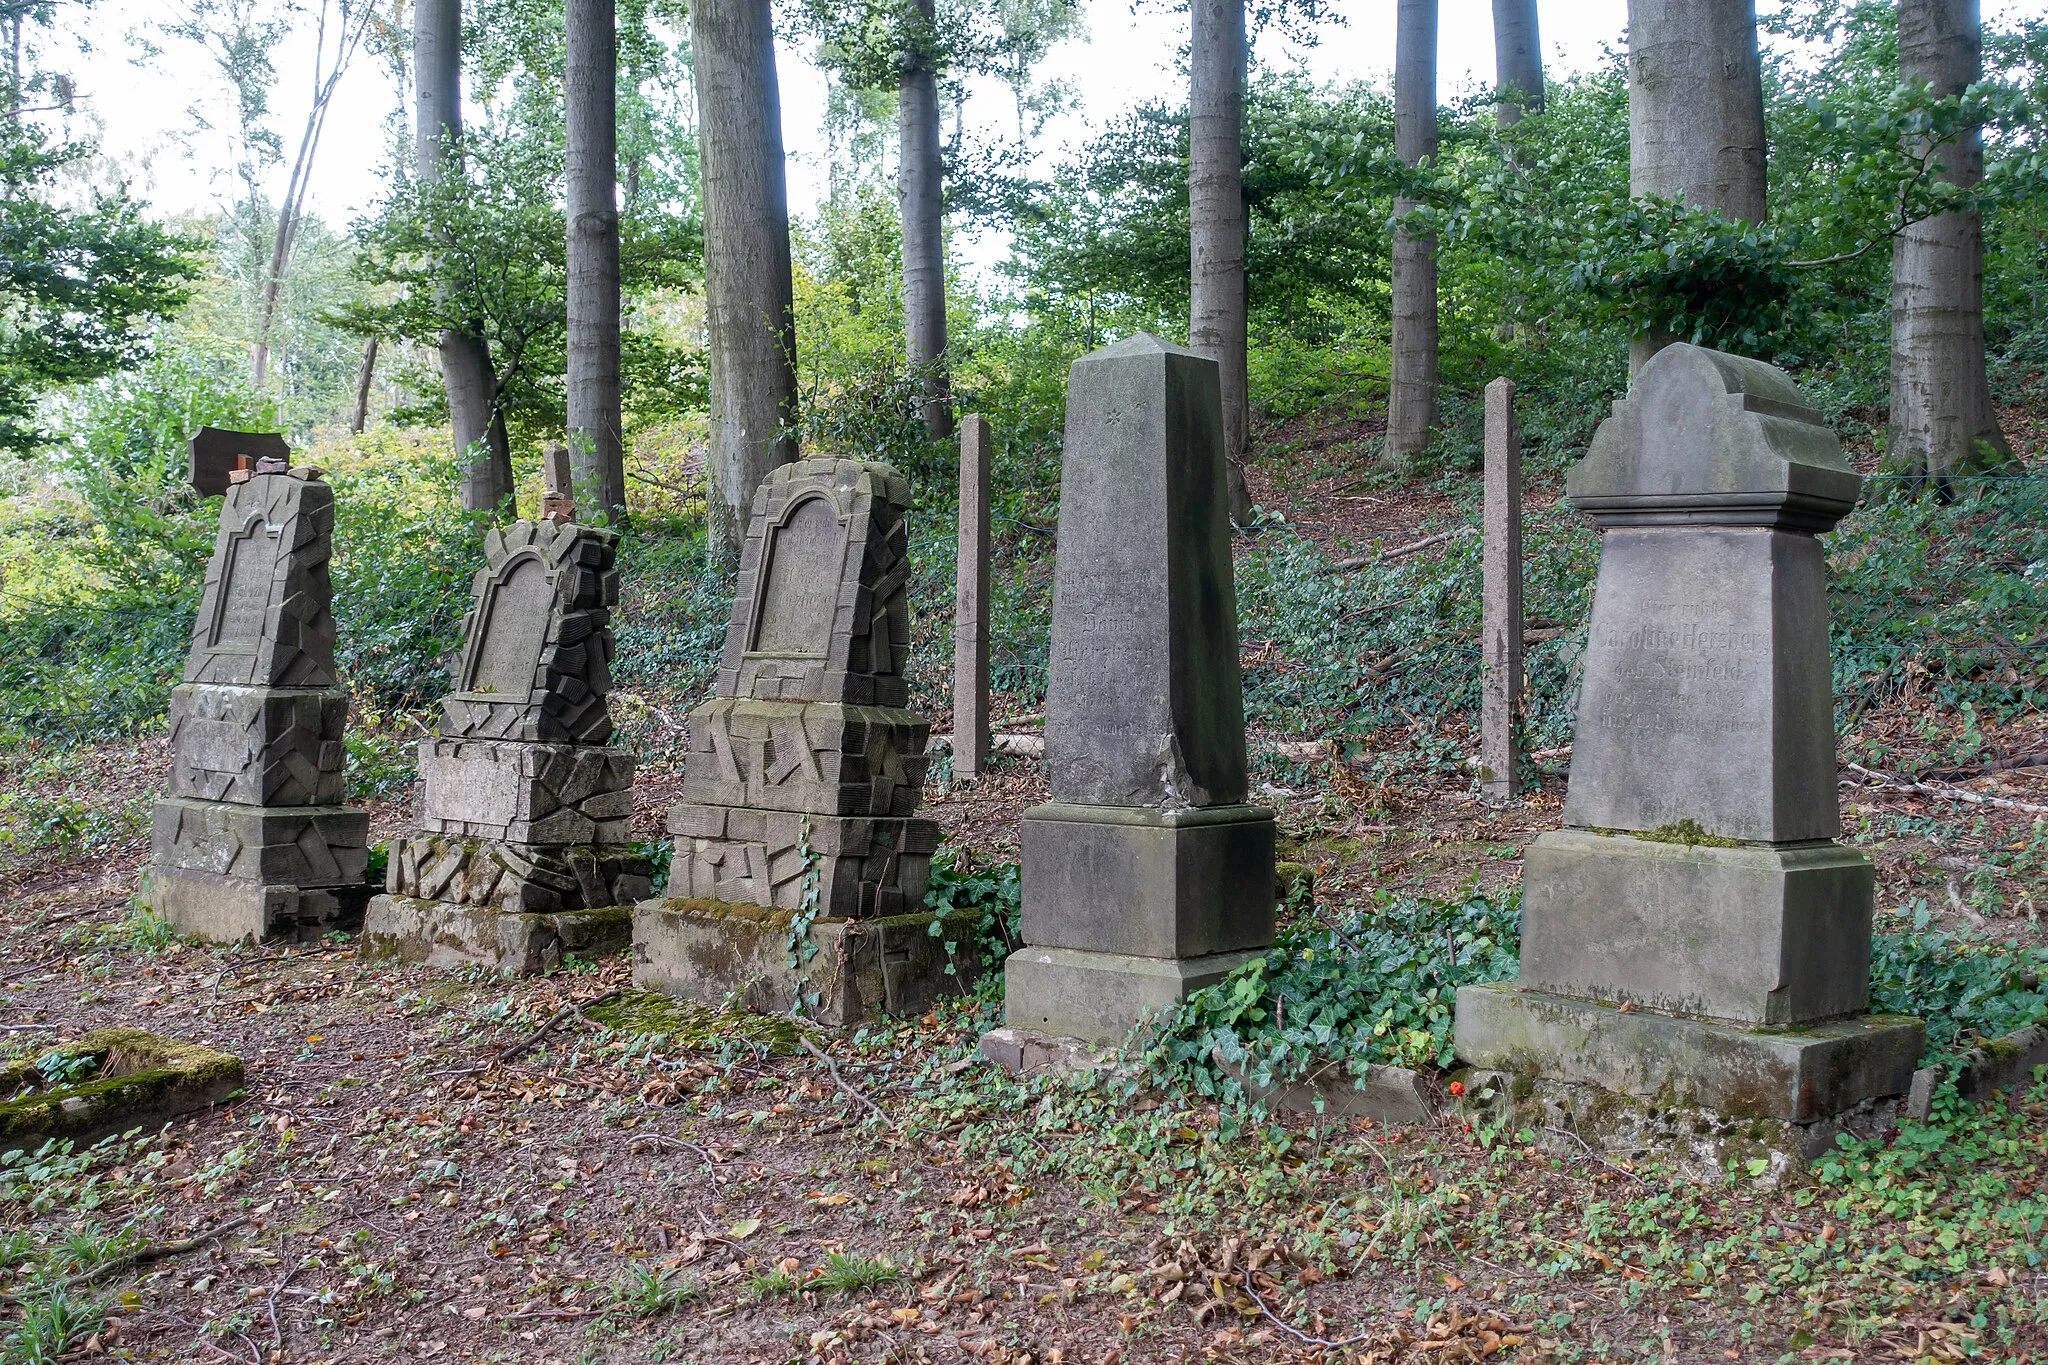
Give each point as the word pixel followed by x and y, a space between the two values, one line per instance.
pixel 694 1025
pixel 139 1078
pixel 1688 832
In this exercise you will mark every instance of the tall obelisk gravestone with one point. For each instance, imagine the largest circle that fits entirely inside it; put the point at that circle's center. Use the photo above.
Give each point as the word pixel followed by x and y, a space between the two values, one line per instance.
pixel 521 854
pixel 253 841
pixel 1146 876
pixel 1694 935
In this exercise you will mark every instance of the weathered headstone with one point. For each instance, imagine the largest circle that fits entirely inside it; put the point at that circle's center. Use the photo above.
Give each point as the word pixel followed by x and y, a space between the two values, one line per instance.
pixel 970 604
pixel 1695 936
pixel 1500 698
pixel 1146 876
pixel 253 840
pixel 800 864
pixel 521 852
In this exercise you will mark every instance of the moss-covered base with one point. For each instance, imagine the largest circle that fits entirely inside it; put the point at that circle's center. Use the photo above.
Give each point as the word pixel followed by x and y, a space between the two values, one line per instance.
pixel 844 971
pixel 443 935
pixel 137 1080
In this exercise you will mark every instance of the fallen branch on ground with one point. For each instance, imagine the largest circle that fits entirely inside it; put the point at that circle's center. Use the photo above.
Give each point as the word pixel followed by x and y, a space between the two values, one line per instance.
pixel 846 1085
pixel 515 1048
pixel 149 1255
pixel 1401 551
pixel 2002 765
pixel 1322 1343
pixel 1944 791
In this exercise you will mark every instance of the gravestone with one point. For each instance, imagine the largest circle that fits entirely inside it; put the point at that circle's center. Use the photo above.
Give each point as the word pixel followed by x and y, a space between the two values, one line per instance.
pixel 970 604
pixel 1146 876
pixel 521 853
pixel 800 864
pixel 1500 702
pixel 1694 935
pixel 252 840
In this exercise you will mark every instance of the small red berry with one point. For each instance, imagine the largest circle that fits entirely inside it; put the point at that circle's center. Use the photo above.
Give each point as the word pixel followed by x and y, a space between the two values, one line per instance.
pixel 1457 1088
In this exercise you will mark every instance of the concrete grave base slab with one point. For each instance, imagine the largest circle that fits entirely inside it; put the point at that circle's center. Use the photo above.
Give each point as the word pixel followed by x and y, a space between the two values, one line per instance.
pixel 713 951
pixel 219 909
pixel 2004 1063
pixel 139 1080
pixel 1100 997
pixel 1772 936
pixel 439 934
pixel 1159 883
pixel 1022 1051
pixel 1387 1094
pixel 1799 1076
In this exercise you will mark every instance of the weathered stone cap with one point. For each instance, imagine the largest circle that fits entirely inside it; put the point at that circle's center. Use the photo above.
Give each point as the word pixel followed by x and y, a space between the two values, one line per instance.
pixel 1714 439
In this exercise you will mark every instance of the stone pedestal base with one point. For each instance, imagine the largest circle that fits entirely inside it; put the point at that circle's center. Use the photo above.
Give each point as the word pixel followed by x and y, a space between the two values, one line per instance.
pixel 1802 1075
pixel 713 951
pixel 307 846
pixel 1772 935
pixel 514 878
pixel 1153 883
pixel 258 746
pixel 439 934
pixel 519 792
pixel 867 866
pixel 206 905
pixel 1099 997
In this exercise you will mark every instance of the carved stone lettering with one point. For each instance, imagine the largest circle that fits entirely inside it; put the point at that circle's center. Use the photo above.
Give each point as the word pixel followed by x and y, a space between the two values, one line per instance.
pixel 245 595
pixel 513 628
pixel 803 583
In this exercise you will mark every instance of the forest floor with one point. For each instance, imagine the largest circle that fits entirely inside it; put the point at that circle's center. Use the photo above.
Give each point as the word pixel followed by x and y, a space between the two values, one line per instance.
pixel 413 1175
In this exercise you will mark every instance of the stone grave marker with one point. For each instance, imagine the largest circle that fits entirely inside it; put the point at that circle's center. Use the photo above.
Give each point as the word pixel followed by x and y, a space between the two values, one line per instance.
pixel 970 604
pixel 1147 875
pixel 252 840
pixel 1694 936
pixel 522 848
pixel 1500 702
pixel 800 864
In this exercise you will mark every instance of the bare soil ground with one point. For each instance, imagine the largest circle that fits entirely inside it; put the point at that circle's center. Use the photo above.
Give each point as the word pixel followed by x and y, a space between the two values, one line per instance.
pixel 413 1175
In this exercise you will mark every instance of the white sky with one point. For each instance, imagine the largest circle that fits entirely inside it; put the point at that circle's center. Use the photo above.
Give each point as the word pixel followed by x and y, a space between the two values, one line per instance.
pixel 141 108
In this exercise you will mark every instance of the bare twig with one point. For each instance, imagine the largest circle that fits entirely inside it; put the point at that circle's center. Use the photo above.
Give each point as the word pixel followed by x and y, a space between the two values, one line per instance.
pixel 1619 1170
pixel 845 1085
pixel 277 1332
pixel 31 971
pixel 1402 551
pixel 513 1049
pixel 1324 1343
pixel 1944 791
pixel 2002 765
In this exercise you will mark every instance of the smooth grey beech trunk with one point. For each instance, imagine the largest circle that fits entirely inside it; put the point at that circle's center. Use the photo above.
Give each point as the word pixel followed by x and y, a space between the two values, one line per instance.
pixel 1517 61
pixel 747 290
pixel 1216 222
pixel 1695 114
pixel 921 199
pixel 1411 407
pixel 590 90
pixel 1941 419
pixel 473 416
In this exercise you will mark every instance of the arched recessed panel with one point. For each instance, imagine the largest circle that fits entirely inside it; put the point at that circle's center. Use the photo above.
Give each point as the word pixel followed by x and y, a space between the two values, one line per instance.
pixel 800 589
pixel 513 626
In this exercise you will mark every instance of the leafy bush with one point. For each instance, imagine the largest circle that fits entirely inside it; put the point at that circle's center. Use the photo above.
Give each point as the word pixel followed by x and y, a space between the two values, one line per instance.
pixel 1378 988
pixel 996 890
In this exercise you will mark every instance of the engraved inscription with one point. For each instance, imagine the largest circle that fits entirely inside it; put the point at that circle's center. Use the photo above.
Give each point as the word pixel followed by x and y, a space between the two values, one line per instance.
pixel 800 591
pixel 243 600
pixel 1681 646
pixel 512 631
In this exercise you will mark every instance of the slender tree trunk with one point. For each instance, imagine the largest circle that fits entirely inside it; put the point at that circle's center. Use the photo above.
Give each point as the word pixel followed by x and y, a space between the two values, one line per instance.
pixel 364 376
pixel 920 197
pixel 747 286
pixel 1411 409
pixel 479 429
pixel 1695 114
pixel 590 89
pixel 1517 61
pixel 1942 420
pixel 1217 326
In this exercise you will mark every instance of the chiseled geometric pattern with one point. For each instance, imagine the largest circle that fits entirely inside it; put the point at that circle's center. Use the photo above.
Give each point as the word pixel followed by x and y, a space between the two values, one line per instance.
pixel 515 878
pixel 866 866
pixel 823 757
pixel 293 845
pixel 537 642
pixel 265 617
pixel 844 558
pixel 258 746
pixel 525 793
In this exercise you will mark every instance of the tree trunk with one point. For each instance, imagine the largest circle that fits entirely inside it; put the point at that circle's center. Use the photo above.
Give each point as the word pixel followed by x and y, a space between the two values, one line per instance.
pixel 364 376
pixel 1217 326
pixel 1942 421
pixel 480 441
pixel 1411 409
pixel 922 203
pixel 1695 114
pixel 747 289
pixel 1517 61
pixel 590 89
